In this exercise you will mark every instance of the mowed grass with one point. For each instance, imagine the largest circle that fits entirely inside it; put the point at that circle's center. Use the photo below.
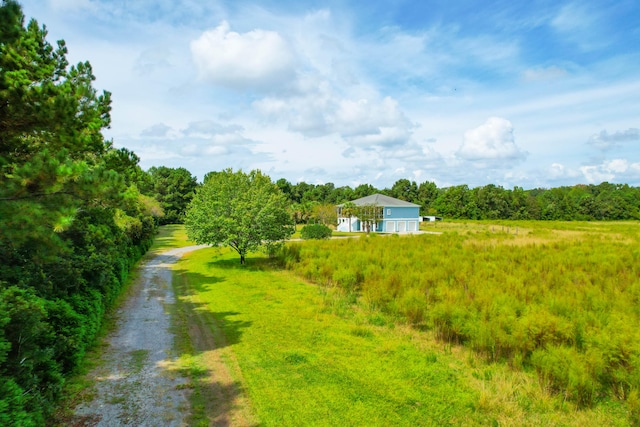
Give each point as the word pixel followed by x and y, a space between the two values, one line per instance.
pixel 303 355
pixel 169 237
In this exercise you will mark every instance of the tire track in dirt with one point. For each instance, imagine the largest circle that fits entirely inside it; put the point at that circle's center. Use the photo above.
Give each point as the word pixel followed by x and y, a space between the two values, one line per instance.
pixel 134 382
pixel 226 404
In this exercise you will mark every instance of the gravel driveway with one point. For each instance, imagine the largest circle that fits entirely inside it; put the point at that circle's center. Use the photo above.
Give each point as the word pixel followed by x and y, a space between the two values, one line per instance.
pixel 134 383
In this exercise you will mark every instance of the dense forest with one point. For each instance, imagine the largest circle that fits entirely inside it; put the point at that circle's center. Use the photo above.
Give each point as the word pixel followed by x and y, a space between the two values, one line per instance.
pixel 76 213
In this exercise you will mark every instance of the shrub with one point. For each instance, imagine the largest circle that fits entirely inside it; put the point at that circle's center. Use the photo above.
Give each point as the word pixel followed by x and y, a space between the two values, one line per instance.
pixel 315 231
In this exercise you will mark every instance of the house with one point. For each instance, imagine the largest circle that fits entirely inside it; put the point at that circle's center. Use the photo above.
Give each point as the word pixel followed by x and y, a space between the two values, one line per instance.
pixel 379 213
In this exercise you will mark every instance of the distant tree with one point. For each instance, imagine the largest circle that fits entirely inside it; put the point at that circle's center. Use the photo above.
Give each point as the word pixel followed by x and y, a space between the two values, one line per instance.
pixel 174 189
pixel 493 202
pixel 456 202
pixel 325 214
pixel 348 210
pixel 301 192
pixel 427 194
pixel 285 187
pixel 302 212
pixel 239 210
pixel 369 215
pixel 343 194
pixel 364 190
pixel 404 189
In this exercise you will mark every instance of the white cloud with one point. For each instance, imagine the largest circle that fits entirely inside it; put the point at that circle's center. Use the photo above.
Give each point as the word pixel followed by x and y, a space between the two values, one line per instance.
pixel 617 165
pixel 363 122
pixel 559 174
pixel 257 59
pixel 159 130
pixel 611 170
pixel 491 144
pixel 605 141
pixel 596 174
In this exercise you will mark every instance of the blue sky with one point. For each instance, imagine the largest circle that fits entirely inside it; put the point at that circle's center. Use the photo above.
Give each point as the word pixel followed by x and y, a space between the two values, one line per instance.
pixel 530 94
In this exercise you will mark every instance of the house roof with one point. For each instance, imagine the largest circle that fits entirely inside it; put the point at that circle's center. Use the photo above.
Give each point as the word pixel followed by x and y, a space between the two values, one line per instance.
pixel 382 200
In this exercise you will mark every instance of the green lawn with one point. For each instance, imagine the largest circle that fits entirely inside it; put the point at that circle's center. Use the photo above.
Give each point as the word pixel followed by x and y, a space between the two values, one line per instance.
pixel 169 237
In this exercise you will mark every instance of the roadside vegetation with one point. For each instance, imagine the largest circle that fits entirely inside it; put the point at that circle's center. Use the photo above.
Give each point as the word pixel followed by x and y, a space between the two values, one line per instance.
pixel 442 338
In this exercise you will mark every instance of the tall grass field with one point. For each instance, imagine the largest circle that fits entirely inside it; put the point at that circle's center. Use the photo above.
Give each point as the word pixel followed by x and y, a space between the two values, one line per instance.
pixel 485 324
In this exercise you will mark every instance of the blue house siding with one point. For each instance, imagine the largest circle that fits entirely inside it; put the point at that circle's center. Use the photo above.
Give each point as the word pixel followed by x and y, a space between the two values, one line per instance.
pixel 398 216
pixel 399 212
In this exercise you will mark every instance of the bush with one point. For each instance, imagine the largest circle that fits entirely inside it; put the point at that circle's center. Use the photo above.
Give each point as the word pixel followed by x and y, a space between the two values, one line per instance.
pixel 315 231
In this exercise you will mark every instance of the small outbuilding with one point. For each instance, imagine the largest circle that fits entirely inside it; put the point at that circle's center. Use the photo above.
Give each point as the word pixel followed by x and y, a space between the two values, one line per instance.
pixel 379 213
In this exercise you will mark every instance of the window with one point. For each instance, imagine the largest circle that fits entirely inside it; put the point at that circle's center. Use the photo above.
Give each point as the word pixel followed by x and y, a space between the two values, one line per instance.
pixel 388 212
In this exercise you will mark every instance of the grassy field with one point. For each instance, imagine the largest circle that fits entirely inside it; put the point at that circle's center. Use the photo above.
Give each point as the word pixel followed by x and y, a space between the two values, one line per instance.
pixel 265 347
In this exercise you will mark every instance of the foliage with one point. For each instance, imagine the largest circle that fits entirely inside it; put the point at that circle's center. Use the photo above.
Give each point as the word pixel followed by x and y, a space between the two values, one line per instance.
pixel 315 231
pixel 173 188
pixel 325 214
pixel 72 221
pixel 369 215
pixel 563 306
pixel 604 201
pixel 239 210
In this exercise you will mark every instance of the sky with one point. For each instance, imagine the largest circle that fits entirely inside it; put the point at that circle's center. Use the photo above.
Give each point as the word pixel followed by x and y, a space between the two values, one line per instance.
pixel 536 94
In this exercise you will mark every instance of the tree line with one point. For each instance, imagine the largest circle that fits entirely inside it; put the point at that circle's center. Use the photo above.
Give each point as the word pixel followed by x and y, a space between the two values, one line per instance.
pixel 75 215
pixel 605 201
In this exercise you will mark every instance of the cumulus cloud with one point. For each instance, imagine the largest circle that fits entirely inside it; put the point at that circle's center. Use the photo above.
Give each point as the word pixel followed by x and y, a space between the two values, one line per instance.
pixel 558 171
pixel 159 130
pixel 257 59
pixel 366 117
pixel 491 144
pixel 605 141
pixel 610 170
pixel 361 122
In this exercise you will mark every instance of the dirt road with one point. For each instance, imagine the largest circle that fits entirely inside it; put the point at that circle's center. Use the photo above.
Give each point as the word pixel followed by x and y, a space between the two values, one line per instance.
pixel 135 384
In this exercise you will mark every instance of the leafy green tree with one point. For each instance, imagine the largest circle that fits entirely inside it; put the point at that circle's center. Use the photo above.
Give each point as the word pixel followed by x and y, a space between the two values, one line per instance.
pixel 427 194
pixel 72 221
pixel 343 194
pixel 286 187
pixel 364 190
pixel 174 189
pixel 369 215
pixel 348 210
pixel 325 214
pixel 239 210
pixel 404 189
pixel 51 144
